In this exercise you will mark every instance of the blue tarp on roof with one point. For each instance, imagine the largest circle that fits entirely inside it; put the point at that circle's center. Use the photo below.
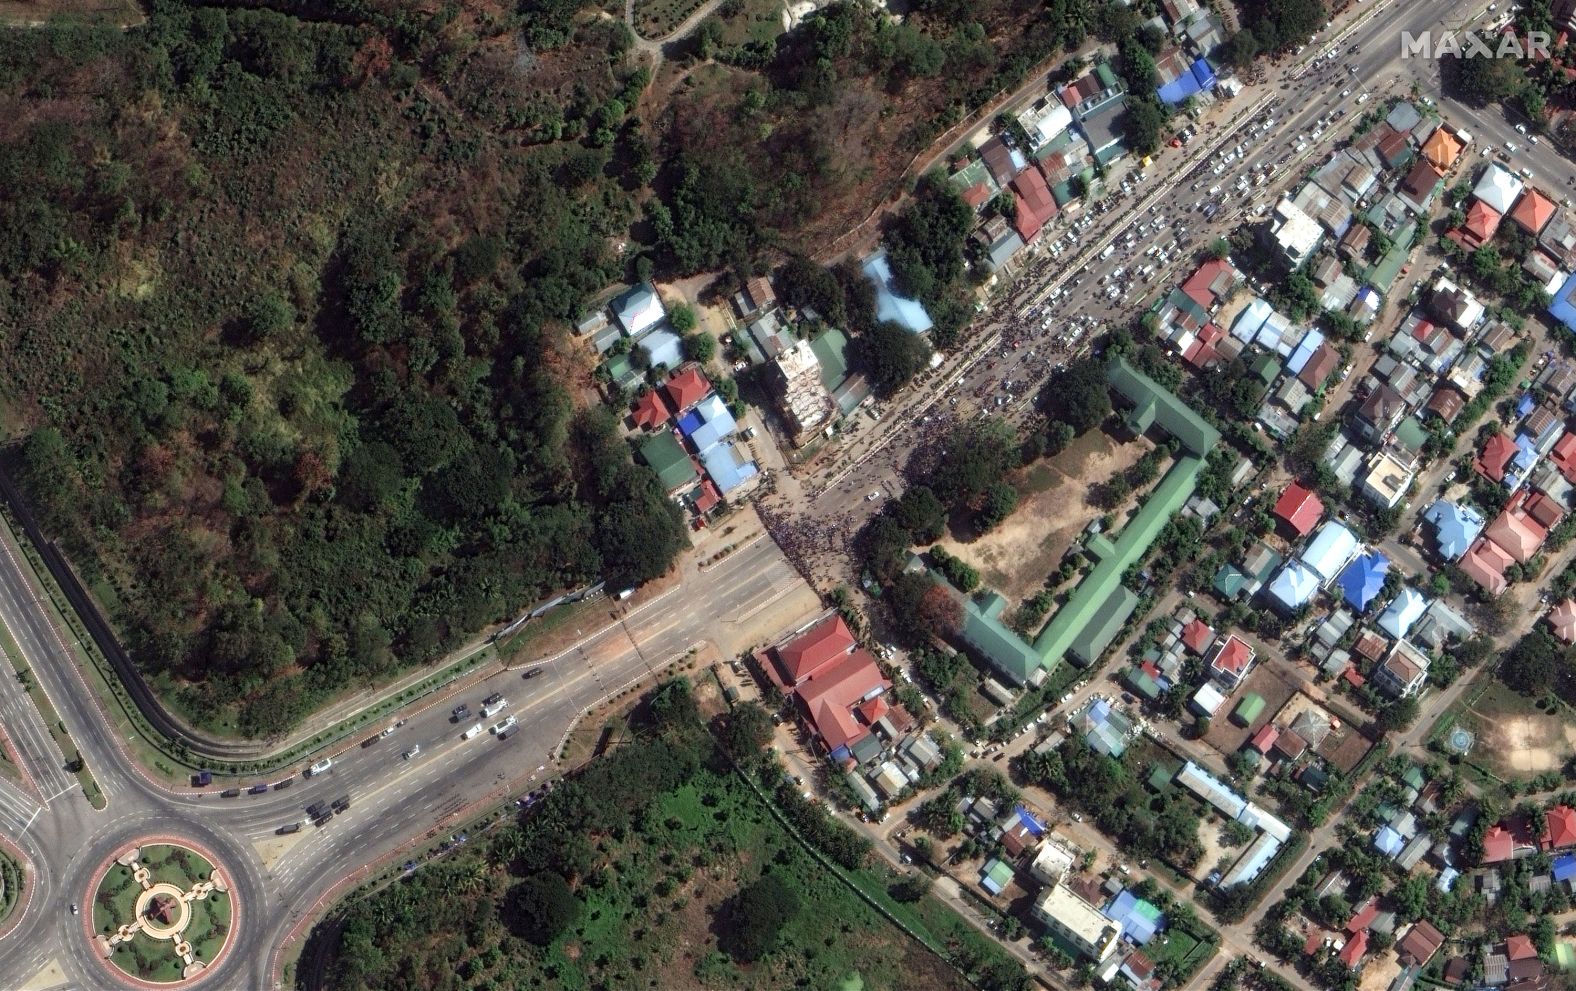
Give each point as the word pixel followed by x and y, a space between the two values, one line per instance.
pixel 1526 404
pixel 1363 579
pixel 1310 344
pixel 1563 308
pixel 1198 78
pixel 1138 919
pixel 902 310
pixel 690 422
pixel 1565 867
pixel 1389 842
pixel 1033 825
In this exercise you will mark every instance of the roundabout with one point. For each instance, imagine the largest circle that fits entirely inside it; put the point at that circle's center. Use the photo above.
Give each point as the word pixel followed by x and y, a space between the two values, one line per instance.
pixel 161 912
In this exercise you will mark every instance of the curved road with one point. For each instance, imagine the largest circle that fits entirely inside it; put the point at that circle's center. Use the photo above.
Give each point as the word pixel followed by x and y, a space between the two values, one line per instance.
pixel 395 804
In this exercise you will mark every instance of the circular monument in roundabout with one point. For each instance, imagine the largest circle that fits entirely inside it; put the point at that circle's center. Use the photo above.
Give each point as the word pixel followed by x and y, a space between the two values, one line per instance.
pixel 160 912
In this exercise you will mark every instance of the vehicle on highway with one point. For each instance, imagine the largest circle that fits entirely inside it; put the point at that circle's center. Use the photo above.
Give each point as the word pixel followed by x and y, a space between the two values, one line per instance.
pixel 320 767
pixel 73 908
pixel 492 708
pixel 503 726
pixel 288 828
pixel 532 673
pixel 475 729
pixel 315 809
pixel 460 712
pixel 230 793
pixel 282 785
pixel 202 779
pixel 493 699
pixel 386 731
pixel 256 789
pixel 341 803
pixel 412 752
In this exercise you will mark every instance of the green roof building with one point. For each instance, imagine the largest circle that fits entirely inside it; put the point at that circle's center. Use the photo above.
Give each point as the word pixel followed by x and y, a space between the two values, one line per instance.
pixel 997 642
pixel 665 455
pixel 1266 367
pixel 1250 708
pixel 830 347
pixel 622 371
pixel 1168 411
pixel 1141 683
pixel 1103 626
pixel 1411 435
pixel 1230 581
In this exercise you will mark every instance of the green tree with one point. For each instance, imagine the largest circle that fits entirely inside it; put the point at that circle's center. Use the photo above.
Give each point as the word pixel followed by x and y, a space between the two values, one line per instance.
pixel 541 908
pixel 747 731
pixel 890 355
pixel 700 347
pixel 681 317
pixel 757 917
pixel 1000 500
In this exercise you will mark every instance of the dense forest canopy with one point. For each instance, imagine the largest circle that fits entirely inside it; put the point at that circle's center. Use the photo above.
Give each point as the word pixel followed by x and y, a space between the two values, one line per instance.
pixel 284 333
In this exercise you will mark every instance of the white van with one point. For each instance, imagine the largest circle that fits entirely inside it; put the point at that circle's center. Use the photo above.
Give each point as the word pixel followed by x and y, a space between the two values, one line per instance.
pixel 320 767
pixel 475 729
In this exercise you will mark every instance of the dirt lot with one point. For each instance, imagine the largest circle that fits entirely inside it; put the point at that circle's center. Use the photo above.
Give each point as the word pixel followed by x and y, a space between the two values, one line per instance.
pixel 1267 680
pixel 1053 508
pixel 1218 853
pixel 1515 738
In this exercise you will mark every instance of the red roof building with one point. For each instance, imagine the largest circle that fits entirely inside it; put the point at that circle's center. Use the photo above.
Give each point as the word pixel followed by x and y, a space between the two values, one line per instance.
pixel 1319 366
pixel 1363 917
pixel 1520 947
pixel 1232 660
pixel 1517 534
pixel 1264 739
pixel 687 388
pixel 834 695
pixel 1210 282
pixel 650 411
pixel 709 497
pixel 1563 456
pixel 1036 205
pixel 800 658
pixel 1197 636
pixel 1533 211
pixel 1290 744
pixel 1485 563
pixel 1559 828
pixel 977 195
pixel 1420 943
pixel 1498 845
pixel 1481 222
pixel 1299 508
pixel 1352 953
pixel 1496 454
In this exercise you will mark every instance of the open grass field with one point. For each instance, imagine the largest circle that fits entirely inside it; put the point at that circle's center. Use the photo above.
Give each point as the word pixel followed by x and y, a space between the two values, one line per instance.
pixel 1053 508
pixel 757 21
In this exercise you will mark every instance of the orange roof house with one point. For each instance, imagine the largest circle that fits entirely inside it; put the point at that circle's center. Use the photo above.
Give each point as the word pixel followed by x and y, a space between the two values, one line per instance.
pixel 1533 211
pixel 1562 620
pixel 1498 845
pixel 1352 953
pixel 1564 456
pixel 1517 533
pixel 1441 149
pixel 1197 635
pixel 1481 222
pixel 1485 563
pixel 1520 947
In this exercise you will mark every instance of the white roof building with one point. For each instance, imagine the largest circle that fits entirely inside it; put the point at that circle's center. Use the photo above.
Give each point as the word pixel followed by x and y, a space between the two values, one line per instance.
pixel 1387 481
pixel 1046 120
pixel 638 310
pixel 1052 862
pixel 1498 188
pixel 1329 551
pixel 1208 700
pixel 1077 921
pixel 1406 609
pixel 1296 234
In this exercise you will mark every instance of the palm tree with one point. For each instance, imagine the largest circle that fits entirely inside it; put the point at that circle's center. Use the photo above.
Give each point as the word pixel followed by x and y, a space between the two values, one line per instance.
pixel 473 878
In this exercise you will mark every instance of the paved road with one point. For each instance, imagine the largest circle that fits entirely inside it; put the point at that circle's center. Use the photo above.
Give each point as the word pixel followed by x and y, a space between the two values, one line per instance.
pixel 394 802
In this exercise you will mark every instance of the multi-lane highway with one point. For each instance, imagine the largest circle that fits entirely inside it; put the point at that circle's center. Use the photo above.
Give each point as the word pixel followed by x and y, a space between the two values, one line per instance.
pixel 1055 303
pixel 745 597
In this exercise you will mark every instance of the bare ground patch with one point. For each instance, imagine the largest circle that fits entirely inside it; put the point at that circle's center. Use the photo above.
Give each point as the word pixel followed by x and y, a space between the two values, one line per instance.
pixel 1053 508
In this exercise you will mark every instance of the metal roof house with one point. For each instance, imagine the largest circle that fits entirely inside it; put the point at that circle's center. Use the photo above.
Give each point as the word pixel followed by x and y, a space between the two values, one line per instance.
pixel 638 310
pixel 1407 607
pixel 1363 579
pixel 905 311
pixel 1455 527
pixel 1329 551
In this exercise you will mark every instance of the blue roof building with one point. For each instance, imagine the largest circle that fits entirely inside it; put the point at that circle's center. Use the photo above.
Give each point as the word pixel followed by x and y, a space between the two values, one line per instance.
pixel 904 311
pixel 727 467
pixel 1565 867
pixel 1137 919
pixel 1563 308
pixel 663 347
pixel 1389 842
pixel 708 423
pixel 1455 527
pixel 1294 586
pixel 1363 579
pixel 1199 78
pixel 1033 825
pixel 1329 551
pixel 1299 357
pixel 1404 610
